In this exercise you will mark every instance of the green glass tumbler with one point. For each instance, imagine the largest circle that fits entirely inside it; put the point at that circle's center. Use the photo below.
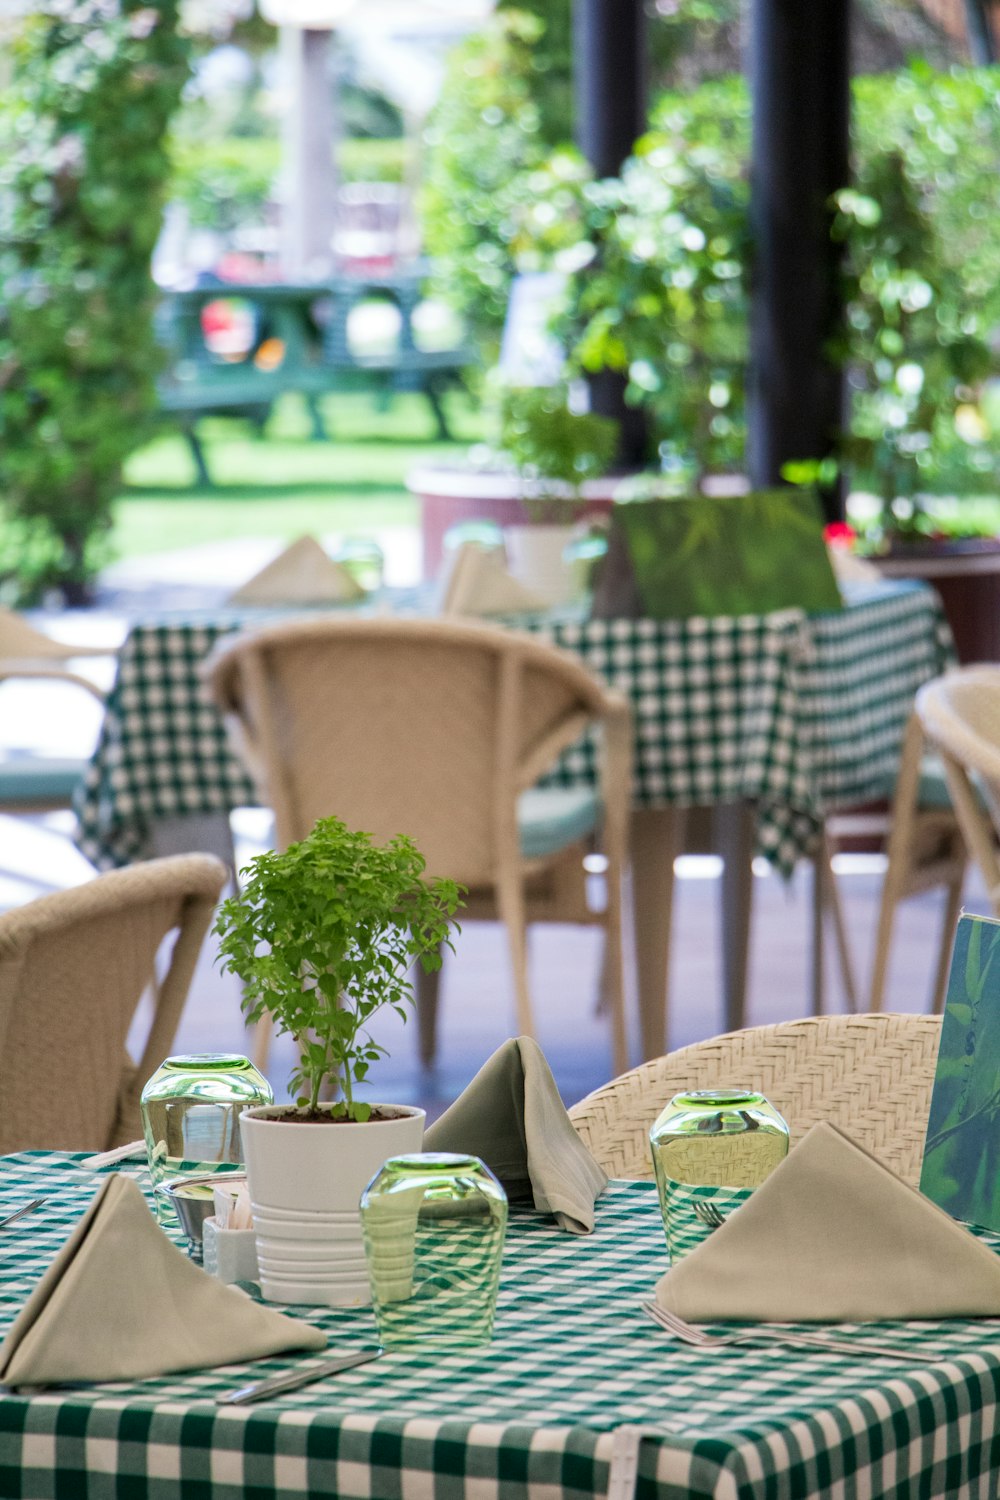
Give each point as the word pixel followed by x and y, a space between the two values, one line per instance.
pixel 711 1148
pixel 433 1226
pixel 191 1117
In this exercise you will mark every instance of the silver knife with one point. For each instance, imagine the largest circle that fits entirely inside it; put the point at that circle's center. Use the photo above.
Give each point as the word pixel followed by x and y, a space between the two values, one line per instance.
pixel 281 1383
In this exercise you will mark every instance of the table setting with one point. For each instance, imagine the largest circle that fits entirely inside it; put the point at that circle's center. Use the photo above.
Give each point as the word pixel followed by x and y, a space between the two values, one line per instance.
pixel 830 1331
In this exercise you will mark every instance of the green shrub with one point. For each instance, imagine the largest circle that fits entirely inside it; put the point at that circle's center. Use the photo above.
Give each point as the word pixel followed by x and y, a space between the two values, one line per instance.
pixel 660 260
pixel 483 138
pixel 84 167
pixel 230 181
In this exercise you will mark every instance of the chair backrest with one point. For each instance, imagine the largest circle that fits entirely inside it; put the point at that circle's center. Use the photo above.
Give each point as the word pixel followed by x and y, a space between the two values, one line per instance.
pixel 960 714
pixel 872 1075
pixel 423 727
pixel 73 967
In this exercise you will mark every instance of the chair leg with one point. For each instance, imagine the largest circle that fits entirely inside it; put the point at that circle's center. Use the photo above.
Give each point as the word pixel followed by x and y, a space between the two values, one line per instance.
pixel 827 902
pixel 952 907
pixel 262 1034
pixel 510 901
pixel 892 894
pixel 428 989
pixel 817 930
pixel 612 976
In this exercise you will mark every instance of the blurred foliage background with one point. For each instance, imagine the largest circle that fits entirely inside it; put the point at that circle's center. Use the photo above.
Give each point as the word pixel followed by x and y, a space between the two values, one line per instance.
pixel 658 262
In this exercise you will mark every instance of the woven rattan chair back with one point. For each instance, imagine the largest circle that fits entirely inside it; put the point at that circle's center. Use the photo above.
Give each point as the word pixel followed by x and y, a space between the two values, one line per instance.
pixel 872 1075
pixel 432 729
pixel 73 968
pixel 960 714
pixel 413 727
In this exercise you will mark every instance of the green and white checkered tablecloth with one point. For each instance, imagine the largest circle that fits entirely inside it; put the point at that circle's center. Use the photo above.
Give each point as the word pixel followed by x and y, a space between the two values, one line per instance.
pixel 574 1367
pixel 799 715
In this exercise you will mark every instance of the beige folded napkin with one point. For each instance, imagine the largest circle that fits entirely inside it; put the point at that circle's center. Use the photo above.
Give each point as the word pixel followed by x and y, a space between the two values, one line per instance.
pixel 847 568
pixel 120 1302
pixel 833 1236
pixel 478 583
pixel 21 642
pixel 511 1116
pixel 302 574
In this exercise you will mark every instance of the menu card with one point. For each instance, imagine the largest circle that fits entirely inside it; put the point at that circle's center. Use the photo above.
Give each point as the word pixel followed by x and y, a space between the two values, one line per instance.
pixel 961 1169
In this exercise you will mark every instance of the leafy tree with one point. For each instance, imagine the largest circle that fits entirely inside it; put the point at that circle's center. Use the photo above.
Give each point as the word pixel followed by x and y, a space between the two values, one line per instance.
pixel 83 170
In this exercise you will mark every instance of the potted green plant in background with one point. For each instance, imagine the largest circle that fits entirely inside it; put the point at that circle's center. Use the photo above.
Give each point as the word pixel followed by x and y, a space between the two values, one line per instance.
pixel 554 450
pixel 323 936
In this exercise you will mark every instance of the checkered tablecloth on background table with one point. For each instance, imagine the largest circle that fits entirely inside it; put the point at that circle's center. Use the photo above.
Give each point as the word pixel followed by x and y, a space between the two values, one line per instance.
pixel 797 714
pixel 534 1416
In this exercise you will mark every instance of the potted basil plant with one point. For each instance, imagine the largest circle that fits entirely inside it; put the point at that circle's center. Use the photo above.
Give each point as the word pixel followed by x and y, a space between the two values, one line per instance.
pixel 323 936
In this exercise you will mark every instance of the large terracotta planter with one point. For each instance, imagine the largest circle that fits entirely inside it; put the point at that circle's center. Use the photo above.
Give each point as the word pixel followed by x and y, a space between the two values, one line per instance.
pixel 966 574
pixel 448 496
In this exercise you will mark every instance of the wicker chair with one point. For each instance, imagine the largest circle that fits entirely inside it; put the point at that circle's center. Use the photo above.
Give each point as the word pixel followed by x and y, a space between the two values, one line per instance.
pixel 31 783
pixel 960 714
pixel 924 849
pixel 439 730
pixel 73 967
pixel 872 1075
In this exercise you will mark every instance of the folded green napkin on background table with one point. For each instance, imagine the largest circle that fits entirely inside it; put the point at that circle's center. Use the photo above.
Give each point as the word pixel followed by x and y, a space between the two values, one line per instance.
pixel 833 1236
pixel 121 1302
pixel 511 1116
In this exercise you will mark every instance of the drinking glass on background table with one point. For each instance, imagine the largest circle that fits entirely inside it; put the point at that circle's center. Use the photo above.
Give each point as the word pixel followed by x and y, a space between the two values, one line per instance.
pixel 191 1117
pixel 363 558
pixel 433 1225
pixel 711 1148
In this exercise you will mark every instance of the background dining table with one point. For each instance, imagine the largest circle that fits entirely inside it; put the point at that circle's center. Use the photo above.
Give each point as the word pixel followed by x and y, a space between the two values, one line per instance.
pixel 576 1386
pixel 773 720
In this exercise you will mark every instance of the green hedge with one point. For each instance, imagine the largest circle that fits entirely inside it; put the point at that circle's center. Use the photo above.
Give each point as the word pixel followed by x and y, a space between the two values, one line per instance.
pixel 660 258
pixel 82 180
pixel 229 182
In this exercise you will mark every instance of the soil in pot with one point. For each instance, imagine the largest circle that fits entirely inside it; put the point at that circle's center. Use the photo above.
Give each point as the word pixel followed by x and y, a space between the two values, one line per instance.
pixel 295 1116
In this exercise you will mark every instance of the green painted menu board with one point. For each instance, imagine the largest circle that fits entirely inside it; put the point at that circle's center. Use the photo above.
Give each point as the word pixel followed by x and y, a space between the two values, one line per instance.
pixel 720 555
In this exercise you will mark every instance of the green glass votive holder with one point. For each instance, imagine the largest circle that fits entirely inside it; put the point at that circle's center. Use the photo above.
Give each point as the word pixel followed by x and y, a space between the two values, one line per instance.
pixel 191 1118
pixel 433 1225
pixel 710 1149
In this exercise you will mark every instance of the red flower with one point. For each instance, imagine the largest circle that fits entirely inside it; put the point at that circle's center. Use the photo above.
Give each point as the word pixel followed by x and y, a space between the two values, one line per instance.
pixel 839 534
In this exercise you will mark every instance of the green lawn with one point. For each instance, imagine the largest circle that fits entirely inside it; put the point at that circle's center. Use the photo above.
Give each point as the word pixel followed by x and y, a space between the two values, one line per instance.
pixel 284 483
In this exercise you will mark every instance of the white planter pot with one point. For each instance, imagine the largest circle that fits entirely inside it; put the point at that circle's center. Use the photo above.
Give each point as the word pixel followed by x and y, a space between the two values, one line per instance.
pixel 535 557
pixel 305 1183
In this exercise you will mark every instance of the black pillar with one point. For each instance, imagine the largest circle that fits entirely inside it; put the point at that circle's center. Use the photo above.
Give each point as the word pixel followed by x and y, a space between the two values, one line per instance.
pixel 801 110
pixel 609 55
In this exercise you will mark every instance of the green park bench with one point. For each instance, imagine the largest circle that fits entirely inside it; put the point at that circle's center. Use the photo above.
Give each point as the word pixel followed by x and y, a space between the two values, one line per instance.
pixel 293 337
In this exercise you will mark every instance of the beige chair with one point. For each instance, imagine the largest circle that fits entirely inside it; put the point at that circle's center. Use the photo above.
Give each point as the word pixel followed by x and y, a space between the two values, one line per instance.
pixel 440 730
pixel 960 714
pixel 924 850
pixel 32 783
pixel 871 1075
pixel 73 967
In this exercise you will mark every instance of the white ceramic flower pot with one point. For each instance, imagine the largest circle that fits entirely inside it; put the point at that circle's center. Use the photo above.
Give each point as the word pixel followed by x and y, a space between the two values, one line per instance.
pixel 535 557
pixel 305 1183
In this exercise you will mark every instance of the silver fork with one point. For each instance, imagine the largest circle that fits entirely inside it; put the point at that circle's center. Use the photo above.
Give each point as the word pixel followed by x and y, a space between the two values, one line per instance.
pixel 19 1213
pixel 708 1214
pixel 772 1333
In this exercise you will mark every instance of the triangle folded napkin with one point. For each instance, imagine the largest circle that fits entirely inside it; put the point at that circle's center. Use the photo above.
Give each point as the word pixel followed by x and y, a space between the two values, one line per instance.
pixel 478 583
pixel 833 1236
pixel 21 642
pixel 120 1302
pixel 512 1117
pixel 302 574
